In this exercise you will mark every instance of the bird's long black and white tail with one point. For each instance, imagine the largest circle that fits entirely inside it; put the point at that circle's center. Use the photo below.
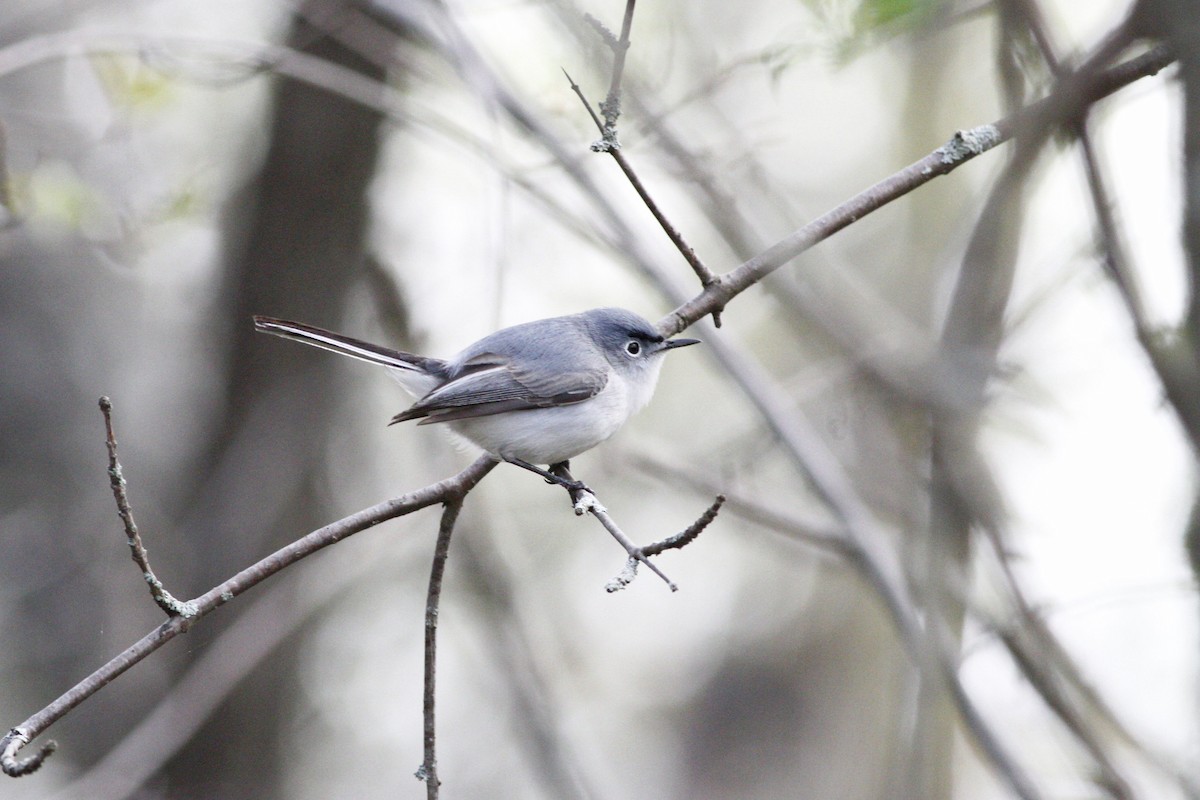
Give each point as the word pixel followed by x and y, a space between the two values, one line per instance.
pixel 349 346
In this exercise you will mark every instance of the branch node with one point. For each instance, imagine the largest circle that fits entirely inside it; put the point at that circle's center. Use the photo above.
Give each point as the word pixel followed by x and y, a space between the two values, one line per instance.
pixel 585 501
pixel 424 774
pixel 969 143
pixel 607 143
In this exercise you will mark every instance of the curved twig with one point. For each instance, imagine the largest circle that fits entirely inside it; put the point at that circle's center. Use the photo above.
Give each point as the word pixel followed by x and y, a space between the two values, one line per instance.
pixel 164 599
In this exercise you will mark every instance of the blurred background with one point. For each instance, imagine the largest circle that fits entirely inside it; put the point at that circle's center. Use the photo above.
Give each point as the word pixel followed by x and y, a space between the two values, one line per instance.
pixel 418 173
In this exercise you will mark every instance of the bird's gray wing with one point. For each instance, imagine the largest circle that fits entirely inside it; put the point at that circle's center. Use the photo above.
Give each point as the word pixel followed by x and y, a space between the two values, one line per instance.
pixel 490 384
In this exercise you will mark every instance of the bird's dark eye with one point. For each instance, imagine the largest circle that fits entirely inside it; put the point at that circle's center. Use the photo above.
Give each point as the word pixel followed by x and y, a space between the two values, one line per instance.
pixel 633 348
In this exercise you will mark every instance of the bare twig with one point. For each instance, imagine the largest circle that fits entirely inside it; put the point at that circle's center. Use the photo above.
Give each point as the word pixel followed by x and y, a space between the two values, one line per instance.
pixel 611 106
pixel 599 123
pixel 165 600
pixel 688 534
pixel 585 500
pixel 636 555
pixel 440 492
pixel 428 770
pixel 612 103
pixel 523 662
pixel 12 743
pixel 609 143
pixel 679 540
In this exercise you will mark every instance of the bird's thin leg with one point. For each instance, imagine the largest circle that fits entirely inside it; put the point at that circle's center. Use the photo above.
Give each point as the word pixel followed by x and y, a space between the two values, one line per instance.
pixel 558 473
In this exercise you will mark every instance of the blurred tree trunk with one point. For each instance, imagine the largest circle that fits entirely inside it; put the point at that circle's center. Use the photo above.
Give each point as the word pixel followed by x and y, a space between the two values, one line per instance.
pixel 296 242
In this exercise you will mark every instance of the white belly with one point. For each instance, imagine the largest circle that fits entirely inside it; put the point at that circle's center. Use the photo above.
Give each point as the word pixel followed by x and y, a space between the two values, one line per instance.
pixel 551 435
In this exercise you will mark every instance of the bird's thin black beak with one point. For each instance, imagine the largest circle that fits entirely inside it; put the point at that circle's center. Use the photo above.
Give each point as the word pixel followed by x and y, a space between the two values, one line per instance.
pixel 671 344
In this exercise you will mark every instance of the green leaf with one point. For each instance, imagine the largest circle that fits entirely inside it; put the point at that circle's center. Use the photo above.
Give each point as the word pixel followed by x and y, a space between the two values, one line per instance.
pixel 874 14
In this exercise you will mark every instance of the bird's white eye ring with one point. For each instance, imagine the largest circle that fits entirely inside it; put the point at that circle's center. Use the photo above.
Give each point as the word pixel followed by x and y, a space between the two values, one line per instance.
pixel 633 348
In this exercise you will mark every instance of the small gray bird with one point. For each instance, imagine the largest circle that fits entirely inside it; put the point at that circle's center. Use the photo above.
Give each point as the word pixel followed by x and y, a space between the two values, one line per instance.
pixel 537 393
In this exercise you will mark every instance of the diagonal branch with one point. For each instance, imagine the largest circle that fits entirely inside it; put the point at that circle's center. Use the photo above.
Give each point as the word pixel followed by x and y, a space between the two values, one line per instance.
pixel 450 489
pixel 585 500
pixel 1071 95
pixel 678 541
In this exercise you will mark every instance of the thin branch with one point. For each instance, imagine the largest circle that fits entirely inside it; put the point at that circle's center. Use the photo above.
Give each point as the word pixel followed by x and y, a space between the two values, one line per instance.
pixel 524 663
pixel 440 492
pixel 427 772
pixel 612 104
pixel 636 554
pixel 165 600
pixel 688 534
pixel 12 743
pixel 585 500
pixel 583 99
pixel 609 143
pixel 1071 95
pixel 707 276
pixel 676 542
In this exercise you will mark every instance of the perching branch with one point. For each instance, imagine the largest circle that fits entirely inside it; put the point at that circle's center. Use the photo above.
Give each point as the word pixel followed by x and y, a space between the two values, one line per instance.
pixel 584 500
pixel 679 540
pixel 449 490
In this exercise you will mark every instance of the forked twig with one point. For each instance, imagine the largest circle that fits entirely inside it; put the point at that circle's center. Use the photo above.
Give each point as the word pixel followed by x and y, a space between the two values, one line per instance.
pixel 679 540
pixel 585 500
pixel 446 491
pixel 609 143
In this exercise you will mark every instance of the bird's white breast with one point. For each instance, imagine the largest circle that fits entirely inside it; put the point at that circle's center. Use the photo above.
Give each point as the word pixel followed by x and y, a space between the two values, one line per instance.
pixel 551 435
